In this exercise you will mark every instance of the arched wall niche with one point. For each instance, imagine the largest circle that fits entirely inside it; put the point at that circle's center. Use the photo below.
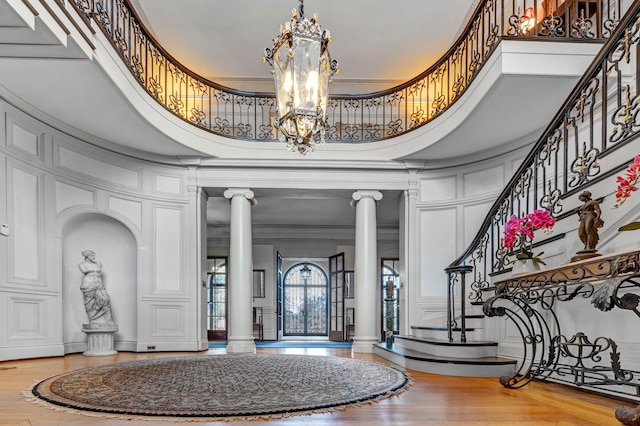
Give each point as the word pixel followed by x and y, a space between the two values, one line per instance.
pixel 115 247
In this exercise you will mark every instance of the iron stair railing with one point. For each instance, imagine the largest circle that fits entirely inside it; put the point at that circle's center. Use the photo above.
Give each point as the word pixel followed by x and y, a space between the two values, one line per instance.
pixel 600 116
pixel 352 119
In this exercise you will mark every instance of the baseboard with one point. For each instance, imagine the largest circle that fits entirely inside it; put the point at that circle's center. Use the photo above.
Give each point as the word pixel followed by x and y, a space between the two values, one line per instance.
pixel 26 352
pixel 170 347
pixel 120 346
pixel 75 347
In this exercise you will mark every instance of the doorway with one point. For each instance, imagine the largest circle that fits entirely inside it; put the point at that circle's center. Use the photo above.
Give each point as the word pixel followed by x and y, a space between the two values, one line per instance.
pixel 305 301
pixel 217 298
pixel 390 287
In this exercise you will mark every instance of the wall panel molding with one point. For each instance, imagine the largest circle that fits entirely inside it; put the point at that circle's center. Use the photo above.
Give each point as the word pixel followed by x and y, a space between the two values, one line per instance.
pixel 26 222
pixel 168 320
pixel 165 183
pixel 490 180
pixel 130 210
pixel 27 318
pixel 114 174
pixel 438 236
pixel 68 196
pixel 25 137
pixel 438 189
pixel 168 238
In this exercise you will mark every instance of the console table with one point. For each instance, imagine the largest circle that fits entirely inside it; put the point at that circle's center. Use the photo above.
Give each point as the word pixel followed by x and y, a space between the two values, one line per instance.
pixel 531 302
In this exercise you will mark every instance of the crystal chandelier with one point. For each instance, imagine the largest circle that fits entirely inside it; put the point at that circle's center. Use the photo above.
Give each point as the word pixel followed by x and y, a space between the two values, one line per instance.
pixel 302 69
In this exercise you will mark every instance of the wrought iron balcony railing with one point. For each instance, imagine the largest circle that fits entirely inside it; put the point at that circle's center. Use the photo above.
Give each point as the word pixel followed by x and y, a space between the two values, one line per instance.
pixel 600 116
pixel 364 118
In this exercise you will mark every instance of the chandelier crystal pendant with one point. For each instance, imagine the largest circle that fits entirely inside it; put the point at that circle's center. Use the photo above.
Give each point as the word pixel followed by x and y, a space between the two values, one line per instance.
pixel 302 69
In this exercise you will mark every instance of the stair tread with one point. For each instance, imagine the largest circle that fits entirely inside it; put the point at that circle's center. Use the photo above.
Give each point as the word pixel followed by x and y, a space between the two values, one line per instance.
pixel 444 342
pixel 421 356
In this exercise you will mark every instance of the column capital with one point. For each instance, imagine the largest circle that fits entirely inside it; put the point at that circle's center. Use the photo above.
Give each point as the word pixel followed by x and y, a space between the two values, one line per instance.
pixel 359 195
pixel 240 192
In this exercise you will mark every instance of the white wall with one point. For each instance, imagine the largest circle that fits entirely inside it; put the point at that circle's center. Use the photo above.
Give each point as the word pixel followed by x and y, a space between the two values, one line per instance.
pixel 450 205
pixel 61 196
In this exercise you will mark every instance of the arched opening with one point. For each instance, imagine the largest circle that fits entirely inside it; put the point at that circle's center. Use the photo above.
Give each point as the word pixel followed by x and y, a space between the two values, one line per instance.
pixel 115 247
pixel 305 301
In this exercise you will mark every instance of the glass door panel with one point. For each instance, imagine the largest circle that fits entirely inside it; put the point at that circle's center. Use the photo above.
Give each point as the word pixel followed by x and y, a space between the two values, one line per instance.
pixel 305 301
pixel 336 304
pixel 217 298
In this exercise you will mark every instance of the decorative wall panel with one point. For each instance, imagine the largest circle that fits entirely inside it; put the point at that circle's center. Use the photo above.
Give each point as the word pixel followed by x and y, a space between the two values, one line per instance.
pixel 26 225
pixel 70 196
pixel 473 217
pixel 26 318
pixel 91 167
pixel 168 244
pixel 132 210
pixel 168 184
pixel 168 320
pixel 483 182
pixel 28 141
pixel 440 189
pixel 437 248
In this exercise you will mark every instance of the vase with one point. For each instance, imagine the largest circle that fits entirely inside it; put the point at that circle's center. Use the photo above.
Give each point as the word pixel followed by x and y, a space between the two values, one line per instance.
pixel 524 266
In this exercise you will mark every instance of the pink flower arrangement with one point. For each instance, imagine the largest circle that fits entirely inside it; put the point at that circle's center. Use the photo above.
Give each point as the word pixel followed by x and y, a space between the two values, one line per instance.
pixel 521 230
pixel 627 185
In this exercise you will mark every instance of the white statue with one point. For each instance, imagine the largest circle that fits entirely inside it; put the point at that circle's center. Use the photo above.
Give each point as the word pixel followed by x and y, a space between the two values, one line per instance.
pixel 96 300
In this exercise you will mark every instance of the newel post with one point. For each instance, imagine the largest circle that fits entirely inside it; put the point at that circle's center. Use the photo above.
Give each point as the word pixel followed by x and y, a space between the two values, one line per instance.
pixel 452 274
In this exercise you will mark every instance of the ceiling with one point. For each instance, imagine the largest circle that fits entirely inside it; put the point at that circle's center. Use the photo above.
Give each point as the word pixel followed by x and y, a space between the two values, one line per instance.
pixel 377 43
pixel 299 208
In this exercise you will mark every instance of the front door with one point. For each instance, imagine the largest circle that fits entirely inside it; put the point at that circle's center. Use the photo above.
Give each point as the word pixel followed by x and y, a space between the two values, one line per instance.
pixel 305 301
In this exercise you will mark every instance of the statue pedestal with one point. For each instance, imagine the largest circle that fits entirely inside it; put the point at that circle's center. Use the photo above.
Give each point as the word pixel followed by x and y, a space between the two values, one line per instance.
pixel 99 339
pixel 585 254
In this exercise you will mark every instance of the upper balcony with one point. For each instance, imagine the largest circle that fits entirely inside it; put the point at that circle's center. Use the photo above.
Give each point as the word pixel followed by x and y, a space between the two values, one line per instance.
pixel 498 85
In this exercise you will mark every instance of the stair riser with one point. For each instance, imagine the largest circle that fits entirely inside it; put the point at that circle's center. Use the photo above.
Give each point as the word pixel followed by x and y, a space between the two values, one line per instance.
pixel 448 369
pixel 448 351
pixel 472 336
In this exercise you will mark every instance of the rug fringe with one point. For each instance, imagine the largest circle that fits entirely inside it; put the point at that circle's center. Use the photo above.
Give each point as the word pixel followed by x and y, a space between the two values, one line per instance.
pixel 29 396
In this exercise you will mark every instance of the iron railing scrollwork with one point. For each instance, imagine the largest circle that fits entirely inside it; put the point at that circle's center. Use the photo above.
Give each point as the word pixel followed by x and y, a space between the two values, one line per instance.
pixel 598 117
pixel 530 302
pixel 351 119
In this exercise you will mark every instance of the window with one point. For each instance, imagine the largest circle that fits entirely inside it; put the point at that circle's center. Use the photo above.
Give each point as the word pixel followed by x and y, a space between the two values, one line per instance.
pixel 217 298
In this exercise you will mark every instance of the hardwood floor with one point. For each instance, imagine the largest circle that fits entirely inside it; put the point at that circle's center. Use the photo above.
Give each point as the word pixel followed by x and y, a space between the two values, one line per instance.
pixel 431 400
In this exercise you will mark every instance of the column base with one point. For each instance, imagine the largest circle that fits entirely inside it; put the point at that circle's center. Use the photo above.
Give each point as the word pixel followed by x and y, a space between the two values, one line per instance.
pixel 241 346
pixel 363 345
pixel 99 339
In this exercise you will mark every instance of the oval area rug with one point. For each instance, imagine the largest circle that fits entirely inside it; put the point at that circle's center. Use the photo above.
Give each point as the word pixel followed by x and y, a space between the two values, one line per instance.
pixel 223 386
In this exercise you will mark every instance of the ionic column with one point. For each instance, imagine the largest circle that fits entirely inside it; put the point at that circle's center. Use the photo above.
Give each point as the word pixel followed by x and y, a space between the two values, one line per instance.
pixel 366 270
pixel 240 327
